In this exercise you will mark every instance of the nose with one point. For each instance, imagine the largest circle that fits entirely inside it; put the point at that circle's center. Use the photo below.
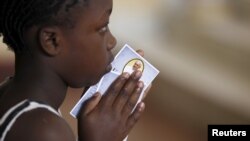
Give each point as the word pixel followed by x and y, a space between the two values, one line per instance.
pixel 111 42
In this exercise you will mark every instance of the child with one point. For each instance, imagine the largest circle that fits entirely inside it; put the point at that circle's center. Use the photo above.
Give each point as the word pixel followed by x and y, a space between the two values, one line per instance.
pixel 61 43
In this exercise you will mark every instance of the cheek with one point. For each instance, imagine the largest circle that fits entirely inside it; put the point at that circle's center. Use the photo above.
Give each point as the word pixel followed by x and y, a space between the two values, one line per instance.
pixel 88 66
pixel 80 73
pixel 87 59
pixel 91 73
pixel 96 53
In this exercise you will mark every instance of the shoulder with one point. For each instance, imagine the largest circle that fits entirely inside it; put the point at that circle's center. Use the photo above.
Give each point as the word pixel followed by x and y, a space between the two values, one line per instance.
pixel 4 85
pixel 40 125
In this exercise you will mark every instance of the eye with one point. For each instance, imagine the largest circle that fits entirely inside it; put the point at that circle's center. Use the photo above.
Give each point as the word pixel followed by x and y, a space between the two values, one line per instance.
pixel 104 28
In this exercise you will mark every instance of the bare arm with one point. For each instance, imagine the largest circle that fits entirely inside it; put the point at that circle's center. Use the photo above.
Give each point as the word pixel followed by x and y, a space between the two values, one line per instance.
pixel 4 85
pixel 40 125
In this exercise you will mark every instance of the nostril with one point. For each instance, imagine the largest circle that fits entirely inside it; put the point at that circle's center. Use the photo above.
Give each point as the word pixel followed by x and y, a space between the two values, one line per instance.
pixel 112 42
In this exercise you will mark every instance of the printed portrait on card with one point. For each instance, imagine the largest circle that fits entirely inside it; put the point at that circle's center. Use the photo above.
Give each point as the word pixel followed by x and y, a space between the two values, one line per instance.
pixel 133 65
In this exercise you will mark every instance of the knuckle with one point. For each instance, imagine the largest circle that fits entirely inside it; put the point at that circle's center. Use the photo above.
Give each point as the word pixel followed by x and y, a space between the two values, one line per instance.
pixel 113 90
pixel 132 121
pixel 130 105
pixel 125 91
pixel 135 118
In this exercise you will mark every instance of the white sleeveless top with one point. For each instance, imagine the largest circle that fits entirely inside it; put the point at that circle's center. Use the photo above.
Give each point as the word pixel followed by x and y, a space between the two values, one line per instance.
pixel 16 111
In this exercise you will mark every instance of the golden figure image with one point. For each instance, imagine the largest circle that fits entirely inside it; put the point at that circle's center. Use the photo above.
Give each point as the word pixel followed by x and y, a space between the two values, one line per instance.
pixel 134 64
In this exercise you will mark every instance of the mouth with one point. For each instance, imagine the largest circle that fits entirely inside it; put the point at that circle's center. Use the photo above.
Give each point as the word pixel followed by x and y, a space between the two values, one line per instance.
pixel 109 66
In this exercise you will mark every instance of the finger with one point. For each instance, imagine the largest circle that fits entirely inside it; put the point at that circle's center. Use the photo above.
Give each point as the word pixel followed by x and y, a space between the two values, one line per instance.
pixel 133 100
pixel 145 93
pixel 126 91
pixel 90 104
pixel 135 116
pixel 114 89
pixel 140 51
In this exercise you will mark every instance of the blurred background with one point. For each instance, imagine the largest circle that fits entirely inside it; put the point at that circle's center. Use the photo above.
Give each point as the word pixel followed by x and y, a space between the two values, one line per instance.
pixel 202 49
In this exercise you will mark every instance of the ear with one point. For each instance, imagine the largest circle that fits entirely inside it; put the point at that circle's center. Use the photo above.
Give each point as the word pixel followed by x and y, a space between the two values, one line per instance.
pixel 49 38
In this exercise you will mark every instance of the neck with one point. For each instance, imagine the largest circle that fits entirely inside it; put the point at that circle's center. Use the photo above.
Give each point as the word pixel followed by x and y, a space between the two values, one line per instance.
pixel 35 80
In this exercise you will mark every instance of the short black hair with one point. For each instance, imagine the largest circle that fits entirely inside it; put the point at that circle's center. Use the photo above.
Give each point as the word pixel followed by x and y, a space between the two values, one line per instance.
pixel 16 16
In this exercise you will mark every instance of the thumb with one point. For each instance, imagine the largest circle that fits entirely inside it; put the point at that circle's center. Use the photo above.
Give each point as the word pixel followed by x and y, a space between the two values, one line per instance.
pixel 141 52
pixel 90 104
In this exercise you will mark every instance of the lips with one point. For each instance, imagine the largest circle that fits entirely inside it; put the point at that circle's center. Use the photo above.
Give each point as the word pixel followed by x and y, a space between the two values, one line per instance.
pixel 109 67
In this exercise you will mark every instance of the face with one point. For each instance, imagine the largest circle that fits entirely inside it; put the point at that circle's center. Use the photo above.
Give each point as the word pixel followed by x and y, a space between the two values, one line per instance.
pixel 86 54
pixel 137 65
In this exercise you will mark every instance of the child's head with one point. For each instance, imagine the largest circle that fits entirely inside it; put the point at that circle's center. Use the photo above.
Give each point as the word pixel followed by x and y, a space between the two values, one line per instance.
pixel 70 36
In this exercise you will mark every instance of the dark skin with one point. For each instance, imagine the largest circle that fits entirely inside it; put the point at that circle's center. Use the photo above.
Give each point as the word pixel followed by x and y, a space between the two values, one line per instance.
pixel 61 57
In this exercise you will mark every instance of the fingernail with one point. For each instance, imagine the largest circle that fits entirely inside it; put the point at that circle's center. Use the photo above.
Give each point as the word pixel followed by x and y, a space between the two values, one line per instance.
pixel 125 75
pixel 140 84
pixel 96 94
pixel 138 90
pixel 141 106
pixel 137 74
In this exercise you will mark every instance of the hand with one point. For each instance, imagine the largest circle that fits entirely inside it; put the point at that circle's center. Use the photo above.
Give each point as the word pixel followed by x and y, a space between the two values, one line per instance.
pixel 110 118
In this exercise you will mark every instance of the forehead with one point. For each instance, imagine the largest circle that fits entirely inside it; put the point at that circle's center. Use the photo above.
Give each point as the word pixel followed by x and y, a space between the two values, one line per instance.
pixel 94 10
pixel 87 17
pixel 93 3
pixel 137 62
pixel 100 7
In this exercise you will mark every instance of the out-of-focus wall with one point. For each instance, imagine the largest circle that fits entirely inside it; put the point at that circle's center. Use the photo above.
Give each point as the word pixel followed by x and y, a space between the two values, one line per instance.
pixel 201 48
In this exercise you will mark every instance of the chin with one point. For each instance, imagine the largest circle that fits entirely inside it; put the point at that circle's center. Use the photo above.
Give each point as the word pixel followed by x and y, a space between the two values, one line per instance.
pixel 79 84
pixel 87 82
pixel 93 81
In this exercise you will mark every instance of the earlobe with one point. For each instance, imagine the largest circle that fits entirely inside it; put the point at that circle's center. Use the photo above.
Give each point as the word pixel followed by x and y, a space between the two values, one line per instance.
pixel 49 38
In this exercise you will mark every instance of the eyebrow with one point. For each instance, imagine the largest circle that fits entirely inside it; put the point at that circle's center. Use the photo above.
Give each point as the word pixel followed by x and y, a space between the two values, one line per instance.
pixel 109 11
pixel 106 14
